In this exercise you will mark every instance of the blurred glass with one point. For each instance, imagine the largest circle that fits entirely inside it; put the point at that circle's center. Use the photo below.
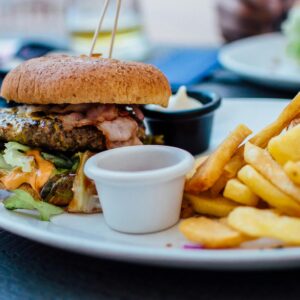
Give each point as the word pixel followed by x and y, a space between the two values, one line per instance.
pixel 32 19
pixel 29 25
pixel 185 23
pixel 82 20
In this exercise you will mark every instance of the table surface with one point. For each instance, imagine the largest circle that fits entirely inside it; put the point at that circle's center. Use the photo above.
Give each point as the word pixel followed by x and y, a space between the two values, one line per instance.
pixel 32 271
pixel 29 270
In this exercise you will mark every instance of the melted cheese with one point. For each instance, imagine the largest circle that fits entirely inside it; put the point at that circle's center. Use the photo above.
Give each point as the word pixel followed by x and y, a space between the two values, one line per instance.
pixel 16 178
pixel 44 168
pixel 36 178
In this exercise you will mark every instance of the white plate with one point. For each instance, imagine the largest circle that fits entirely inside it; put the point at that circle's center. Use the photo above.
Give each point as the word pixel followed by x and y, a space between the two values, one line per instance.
pixel 89 234
pixel 263 60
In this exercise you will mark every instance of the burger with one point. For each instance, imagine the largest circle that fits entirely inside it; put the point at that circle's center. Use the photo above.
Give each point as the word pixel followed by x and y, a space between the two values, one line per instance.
pixel 63 109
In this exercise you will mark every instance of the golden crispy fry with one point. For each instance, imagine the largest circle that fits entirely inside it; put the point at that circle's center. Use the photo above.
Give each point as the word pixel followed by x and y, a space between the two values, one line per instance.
pixel 292 169
pixel 210 233
pixel 205 205
pixel 240 193
pixel 187 210
pixel 262 138
pixel 209 172
pixel 284 119
pixel 265 223
pixel 224 221
pixel 294 122
pixel 217 188
pixel 230 171
pixel 198 162
pixel 235 164
pixel 234 167
pixel 268 192
pixel 262 161
pixel 285 147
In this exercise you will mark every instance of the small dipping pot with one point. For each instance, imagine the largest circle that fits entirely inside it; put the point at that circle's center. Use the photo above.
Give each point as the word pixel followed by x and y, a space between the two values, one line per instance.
pixel 186 129
pixel 140 187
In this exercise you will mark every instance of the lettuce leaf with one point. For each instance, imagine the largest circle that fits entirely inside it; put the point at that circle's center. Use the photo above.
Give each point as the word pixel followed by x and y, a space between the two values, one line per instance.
pixel 14 155
pixel 23 200
pixel 3 164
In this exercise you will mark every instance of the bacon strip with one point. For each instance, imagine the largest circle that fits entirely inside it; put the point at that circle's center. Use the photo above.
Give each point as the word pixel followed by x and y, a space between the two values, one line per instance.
pixel 120 132
pixel 118 123
pixel 138 113
pixel 102 113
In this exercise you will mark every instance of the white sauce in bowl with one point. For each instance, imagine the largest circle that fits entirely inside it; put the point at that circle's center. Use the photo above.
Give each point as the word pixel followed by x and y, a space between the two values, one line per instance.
pixel 179 101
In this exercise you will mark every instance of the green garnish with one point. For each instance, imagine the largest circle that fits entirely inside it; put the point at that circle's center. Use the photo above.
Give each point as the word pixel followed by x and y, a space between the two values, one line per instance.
pixel 59 161
pixel 23 200
pixel 14 156
pixel 3 164
pixel 62 163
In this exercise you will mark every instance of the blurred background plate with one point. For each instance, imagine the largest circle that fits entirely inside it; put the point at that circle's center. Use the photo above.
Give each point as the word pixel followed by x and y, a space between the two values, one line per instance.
pixel 263 60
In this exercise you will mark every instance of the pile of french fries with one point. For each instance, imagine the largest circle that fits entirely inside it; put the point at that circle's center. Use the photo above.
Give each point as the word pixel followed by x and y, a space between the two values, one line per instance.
pixel 247 190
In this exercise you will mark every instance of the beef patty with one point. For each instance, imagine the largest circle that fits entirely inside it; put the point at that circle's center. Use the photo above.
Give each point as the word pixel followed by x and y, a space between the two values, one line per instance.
pixel 48 132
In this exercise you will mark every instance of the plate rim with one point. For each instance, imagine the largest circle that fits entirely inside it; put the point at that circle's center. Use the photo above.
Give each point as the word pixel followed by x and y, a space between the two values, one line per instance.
pixel 235 259
pixel 247 71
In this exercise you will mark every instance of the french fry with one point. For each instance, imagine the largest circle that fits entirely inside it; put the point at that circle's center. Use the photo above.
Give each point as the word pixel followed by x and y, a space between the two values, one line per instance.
pixel 205 205
pixel 290 112
pixel 211 233
pixel 262 161
pixel 224 221
pixel 292 169
pixel 187 210
pixel 240 193
pixel 285 147
pixel 235 164
pixel 265 223
pixel 295 122
pixel 210 171
pixel 198 162
pixel 234 167
pixel 230 171
pixel 268 192
pixel 262 138
pixel 217 188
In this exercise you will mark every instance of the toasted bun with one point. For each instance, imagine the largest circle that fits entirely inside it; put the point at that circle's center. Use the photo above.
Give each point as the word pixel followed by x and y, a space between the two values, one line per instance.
pixel 59 79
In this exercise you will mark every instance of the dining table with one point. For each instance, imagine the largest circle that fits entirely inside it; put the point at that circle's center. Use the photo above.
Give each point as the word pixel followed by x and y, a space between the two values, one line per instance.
pixel 30 270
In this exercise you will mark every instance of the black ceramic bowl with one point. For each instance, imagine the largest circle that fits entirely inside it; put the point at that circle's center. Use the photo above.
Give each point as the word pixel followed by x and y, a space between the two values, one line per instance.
pixel 186 129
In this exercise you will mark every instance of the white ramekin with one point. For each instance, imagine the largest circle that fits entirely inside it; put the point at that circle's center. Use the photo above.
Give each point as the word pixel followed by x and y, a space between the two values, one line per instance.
pixel 140 187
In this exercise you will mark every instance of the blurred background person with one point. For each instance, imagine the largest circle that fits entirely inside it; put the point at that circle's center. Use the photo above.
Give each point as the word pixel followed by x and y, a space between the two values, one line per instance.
pixel 243 18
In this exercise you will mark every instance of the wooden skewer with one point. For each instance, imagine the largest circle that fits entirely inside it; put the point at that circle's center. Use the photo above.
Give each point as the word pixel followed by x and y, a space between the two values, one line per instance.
pixel 115 29
pixel 104 9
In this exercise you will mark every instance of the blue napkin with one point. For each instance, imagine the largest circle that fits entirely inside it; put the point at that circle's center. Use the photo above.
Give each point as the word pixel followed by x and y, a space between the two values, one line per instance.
pixel 187 66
